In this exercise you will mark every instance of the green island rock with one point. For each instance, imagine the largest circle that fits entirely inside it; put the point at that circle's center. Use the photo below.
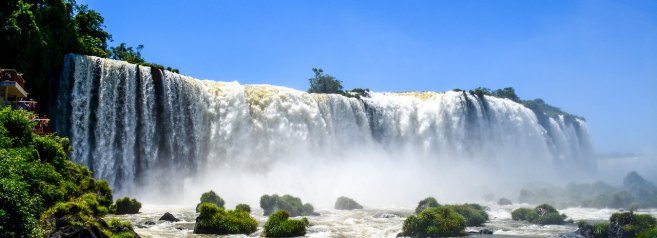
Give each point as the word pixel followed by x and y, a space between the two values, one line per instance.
pixel 543 215
pixel 279 225
pixel 126 205
pixel 211 197
pixel 291 204
pixel 426 203
pixel 216 220
pixel 625 224
pixel 435 222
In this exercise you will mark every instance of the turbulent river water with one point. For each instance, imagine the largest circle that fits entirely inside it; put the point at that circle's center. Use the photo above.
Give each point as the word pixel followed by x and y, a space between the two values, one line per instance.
pixel 368 222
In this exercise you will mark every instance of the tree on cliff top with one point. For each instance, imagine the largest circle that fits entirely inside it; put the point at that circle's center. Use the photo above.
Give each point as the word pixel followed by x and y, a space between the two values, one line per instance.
pixel 324 83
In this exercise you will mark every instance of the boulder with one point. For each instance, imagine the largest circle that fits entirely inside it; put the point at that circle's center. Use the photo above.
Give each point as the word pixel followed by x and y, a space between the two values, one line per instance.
pixel 345 203
pixel 168 217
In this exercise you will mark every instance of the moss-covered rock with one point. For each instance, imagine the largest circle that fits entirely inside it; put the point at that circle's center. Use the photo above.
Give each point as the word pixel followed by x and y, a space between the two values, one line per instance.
pixel 474 214
pixel 426 203
pixel 216 220
pixel 435 222
pixel 543 215
pixel 629 224
pixel 243 207
pixel 211 197
pixel 79 218
pixel 126 205
pixel 291 204
pixel 279 225
pixel 345 203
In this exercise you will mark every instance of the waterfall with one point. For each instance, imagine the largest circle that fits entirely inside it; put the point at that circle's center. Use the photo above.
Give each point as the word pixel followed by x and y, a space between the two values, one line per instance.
pixel 133 125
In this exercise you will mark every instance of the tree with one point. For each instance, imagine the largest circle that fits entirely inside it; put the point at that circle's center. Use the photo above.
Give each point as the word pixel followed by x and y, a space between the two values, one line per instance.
pixel 324 83
pixel 127 53
pixel 91 36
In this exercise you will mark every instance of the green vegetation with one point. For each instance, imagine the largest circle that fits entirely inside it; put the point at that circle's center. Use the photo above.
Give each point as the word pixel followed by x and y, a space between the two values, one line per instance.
pixel 345 203
pixel 626 224
pixel 474 214
pixel 291 204
pixel 543 215
pixel 537 105
pixel 636 192
pixel 243 207
pixel 211 197
pixel 435 222
pixel 39 181
pixel 215 220
pixel 426 203
pixel 324 83
pixel 279 225
pixel 37 34
pixel 126 205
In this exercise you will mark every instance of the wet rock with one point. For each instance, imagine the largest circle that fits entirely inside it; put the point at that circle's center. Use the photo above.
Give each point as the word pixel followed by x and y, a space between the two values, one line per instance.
pixel 150 223
pixel 504 201
pixel 345 203
pixel 485 231
pixel 169 217
pixel 386 215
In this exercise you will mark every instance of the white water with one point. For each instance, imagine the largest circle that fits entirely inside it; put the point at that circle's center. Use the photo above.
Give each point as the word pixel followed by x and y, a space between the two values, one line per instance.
pixel 166 138
pixel 368 222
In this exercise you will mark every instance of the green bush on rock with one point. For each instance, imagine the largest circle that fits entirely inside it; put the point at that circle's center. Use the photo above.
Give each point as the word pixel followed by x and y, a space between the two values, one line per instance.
pixel 542 215
pixel 243 207
pixel 291 204
pixel 126 205
pixel 474 214
pixel 216 220
pixel 435 222
pixel 626 224
pixel 426 203
pixel 279 225
pixel 211 197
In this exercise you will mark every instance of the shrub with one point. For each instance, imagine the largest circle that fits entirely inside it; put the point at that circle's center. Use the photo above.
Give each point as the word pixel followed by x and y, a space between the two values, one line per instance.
pixel 434 222
pixel 291 204
pixel 628 224
pixel 279 225
pixel 524 214
pixel 474 214
pixel 650 233
pixel 17 127
pixel 345 203
pixel 127 205
pixel 215 220
pixel 601 230
pixel 243 207
pixel 543 215
pixel 426 203
pixel 211 197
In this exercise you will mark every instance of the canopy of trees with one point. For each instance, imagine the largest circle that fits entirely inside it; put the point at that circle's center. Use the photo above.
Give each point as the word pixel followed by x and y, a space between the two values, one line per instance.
pixel 324 83
pixel 36 34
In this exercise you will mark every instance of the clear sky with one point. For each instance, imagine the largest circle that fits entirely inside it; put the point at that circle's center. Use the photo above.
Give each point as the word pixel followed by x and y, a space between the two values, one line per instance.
pixel 593 58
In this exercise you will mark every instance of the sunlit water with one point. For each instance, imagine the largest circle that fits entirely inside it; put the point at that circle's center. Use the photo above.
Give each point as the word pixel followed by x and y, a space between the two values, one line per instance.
pixel 367 222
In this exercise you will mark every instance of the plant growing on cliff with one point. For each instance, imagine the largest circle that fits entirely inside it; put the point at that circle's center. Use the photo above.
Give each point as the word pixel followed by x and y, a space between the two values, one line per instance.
pixel 324 83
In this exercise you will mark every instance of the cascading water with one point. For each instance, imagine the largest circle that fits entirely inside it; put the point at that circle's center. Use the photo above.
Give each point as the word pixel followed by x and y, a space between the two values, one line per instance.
pixel 140 127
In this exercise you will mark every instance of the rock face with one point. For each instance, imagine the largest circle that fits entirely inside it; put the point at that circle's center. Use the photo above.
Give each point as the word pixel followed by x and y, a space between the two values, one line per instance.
pixel 169 217
pixel 345 203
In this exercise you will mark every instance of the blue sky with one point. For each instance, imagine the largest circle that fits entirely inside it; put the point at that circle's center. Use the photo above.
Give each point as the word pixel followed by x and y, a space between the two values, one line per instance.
pixel 596 59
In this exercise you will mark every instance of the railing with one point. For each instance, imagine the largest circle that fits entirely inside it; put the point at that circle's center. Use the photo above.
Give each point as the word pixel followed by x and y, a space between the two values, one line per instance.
pixel 27 105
